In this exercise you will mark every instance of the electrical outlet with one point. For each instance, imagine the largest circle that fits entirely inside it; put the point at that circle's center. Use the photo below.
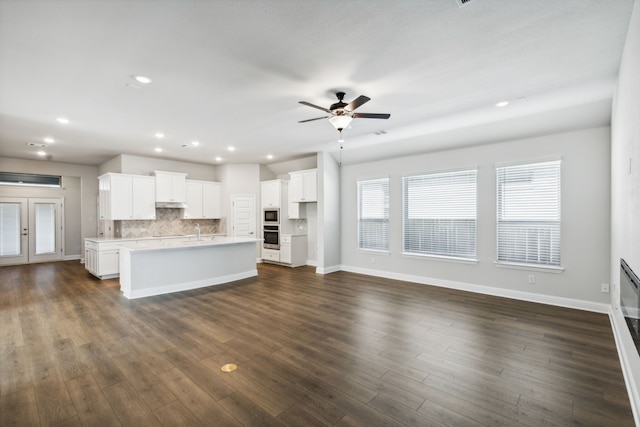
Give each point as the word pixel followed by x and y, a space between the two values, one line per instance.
pixel 604 288
pixel 532 279
pixel 373 260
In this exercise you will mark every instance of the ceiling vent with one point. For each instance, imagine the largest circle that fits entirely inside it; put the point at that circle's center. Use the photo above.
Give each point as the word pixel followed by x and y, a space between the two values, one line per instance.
pixel 461 3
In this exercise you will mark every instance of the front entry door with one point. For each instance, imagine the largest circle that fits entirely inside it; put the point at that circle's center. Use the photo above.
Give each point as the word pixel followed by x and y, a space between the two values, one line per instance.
pixel 31 230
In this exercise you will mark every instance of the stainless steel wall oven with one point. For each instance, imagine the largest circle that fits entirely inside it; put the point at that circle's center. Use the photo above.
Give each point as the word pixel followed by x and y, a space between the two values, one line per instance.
pixel 271 236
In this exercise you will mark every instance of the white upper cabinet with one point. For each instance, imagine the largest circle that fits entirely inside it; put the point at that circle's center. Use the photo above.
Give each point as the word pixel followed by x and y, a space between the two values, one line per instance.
pixel 211 200
pixel 270 193
pixel 204 200
pixel 143 196
pixel 171 186
pixel 303 186
pixel 125 196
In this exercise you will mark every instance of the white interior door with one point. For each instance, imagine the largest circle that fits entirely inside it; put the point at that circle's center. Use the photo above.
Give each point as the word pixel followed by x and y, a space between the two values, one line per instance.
pixel 14 227
pixel 45 230
pixel 244 215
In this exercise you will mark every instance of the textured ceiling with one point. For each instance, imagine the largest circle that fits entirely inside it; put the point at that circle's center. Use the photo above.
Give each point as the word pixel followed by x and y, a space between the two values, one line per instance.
pixel 232 72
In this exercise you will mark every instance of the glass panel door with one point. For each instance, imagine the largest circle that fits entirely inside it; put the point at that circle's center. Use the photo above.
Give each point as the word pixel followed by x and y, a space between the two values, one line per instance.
pixel 45 237
pixel 13 231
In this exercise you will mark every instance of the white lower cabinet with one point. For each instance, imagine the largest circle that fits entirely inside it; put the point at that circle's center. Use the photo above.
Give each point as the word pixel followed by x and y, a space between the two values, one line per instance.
pixel 101 259
pixel 293 251
pixel 271 255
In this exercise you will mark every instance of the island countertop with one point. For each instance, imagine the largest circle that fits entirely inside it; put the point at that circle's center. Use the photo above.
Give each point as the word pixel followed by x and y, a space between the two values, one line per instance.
pixel 176 244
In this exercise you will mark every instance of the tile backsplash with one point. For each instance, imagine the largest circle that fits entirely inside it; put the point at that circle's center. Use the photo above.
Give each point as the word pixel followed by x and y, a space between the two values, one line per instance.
pixel 168 223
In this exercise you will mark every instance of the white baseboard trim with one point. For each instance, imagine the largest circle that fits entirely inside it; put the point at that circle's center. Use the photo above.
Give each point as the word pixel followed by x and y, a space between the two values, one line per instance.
pixel 487 290
pixel 327 270
pixel 186 286
pixel 73 257
pixel 312 262
pixel 627 372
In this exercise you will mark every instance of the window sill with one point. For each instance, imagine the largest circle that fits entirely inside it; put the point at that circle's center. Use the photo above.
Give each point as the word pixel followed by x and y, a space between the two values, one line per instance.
pixel 529 267
pixel 373 251
pixel 441 258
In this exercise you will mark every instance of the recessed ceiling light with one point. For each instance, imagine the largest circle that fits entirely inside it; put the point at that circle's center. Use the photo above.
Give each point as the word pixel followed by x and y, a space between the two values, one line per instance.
pixel 269 156
pixel 62 120
pixel 502 104
pixel 159 135
pixel 158 150
pixel 195 143
pixel 143 79
pixel 231 148
pixel 49 140
pixel 218 159
pixel 42 153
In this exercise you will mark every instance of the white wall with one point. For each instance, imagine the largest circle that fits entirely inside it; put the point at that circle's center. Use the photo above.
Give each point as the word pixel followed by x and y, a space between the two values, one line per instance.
pixel 328 211
pixel 80 192
pixel 625 193
pixel 239 179
pixel 585 218
pixel 139 165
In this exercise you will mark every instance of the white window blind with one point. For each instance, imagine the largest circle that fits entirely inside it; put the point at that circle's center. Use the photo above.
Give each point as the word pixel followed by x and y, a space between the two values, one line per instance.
pixel 10 229
pixel 528 213
pixel 373 214
pixel 439 214
pixel 45 223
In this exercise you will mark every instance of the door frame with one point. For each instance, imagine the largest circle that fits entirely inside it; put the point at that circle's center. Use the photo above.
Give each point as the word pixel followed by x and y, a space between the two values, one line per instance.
pixel 28 230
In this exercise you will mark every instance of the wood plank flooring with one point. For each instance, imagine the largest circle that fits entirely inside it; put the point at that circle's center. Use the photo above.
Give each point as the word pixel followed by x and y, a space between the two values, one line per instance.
pixel 335 350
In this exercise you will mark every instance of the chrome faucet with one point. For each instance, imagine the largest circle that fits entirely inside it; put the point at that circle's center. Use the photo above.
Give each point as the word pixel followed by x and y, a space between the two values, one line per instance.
pixel 196 228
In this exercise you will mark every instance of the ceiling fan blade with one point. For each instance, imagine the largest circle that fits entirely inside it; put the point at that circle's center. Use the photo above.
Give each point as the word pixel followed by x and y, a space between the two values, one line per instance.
pixel 357 102
pixel 310 120
pixel 326 110
pixel 370 116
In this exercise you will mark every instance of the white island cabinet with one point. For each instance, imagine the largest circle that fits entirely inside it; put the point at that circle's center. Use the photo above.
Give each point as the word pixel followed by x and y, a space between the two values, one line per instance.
pixel 161 268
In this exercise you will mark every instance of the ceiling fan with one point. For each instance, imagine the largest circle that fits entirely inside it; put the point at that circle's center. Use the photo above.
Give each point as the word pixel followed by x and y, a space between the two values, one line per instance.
pixel 341 113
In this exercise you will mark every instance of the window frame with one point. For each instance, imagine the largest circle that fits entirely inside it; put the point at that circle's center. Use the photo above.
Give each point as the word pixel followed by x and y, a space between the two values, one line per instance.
pixel 387 209
pixel 525 263
pixel 468 257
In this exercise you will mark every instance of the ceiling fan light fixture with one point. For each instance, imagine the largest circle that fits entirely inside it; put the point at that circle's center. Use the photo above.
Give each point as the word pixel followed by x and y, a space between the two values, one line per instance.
pixel 340 121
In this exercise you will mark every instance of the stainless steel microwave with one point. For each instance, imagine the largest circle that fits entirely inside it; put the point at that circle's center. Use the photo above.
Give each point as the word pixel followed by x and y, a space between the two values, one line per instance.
pixel 271 216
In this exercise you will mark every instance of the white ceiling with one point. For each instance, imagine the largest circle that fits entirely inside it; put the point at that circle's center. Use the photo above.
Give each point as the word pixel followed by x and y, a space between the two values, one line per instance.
pixel 232 72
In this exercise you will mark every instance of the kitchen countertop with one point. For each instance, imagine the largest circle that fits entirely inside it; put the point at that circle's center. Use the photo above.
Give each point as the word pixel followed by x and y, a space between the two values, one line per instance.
pixel 177 244
pixel 128 239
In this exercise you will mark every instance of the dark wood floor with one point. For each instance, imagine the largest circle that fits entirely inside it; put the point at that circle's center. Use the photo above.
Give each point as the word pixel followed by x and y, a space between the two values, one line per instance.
pixel 341 349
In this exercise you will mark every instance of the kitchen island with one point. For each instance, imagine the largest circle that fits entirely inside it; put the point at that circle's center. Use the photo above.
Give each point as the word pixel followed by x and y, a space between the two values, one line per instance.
pixel 156 268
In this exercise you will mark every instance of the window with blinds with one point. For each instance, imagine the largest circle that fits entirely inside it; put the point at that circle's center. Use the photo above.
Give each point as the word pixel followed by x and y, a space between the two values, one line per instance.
pixel 373 214
pixel 528 213
pixel 440 214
